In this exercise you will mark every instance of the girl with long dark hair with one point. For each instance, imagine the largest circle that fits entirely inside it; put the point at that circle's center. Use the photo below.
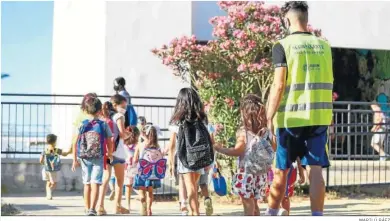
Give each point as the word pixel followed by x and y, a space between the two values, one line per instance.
pixel 188 107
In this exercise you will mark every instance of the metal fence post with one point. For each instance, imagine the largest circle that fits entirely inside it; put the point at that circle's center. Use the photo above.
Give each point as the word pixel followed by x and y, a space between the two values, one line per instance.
pixel 349 131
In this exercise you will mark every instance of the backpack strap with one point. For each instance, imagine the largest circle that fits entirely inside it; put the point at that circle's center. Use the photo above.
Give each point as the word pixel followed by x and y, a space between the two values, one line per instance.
pixel 102 133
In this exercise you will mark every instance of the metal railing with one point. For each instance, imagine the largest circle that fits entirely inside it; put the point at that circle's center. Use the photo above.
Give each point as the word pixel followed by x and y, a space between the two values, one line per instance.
pixel 353 159
pixel 27 118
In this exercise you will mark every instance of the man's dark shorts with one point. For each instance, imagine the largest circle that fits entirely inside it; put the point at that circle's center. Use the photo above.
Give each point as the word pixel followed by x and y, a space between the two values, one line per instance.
pixel 308 143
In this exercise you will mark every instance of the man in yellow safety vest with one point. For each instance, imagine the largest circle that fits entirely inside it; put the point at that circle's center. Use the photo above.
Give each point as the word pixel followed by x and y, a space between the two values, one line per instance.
pixel 300 106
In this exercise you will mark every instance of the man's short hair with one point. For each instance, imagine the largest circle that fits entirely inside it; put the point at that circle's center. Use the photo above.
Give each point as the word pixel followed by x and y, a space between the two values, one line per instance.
pixel 299 8
pixel 51 139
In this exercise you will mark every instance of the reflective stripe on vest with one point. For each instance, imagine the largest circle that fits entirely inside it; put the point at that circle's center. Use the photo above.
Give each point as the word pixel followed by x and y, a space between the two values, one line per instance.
pixel 308 86
pixel 307 98
pixel 305 107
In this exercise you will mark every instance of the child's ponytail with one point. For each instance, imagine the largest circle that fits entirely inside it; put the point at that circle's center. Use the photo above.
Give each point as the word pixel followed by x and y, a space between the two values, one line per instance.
pixel 107 108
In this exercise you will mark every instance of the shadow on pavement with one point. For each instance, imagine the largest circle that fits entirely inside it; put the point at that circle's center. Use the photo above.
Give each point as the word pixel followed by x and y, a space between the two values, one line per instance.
pixel 35 207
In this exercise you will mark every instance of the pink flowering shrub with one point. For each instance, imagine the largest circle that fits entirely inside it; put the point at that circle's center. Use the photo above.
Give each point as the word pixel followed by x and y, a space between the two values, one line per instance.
pixel 235 63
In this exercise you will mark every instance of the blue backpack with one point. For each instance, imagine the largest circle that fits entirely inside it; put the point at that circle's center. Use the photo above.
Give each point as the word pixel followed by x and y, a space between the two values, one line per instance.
pixel 219 183
pixel 91 140
pixel 52 161
pixel 130 116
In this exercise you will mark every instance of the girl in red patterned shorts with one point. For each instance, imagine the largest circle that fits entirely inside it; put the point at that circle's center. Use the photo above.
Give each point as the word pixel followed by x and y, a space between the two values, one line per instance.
pixel 253 134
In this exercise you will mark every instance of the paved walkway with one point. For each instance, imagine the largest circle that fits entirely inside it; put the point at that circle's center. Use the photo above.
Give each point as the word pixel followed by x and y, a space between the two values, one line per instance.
pixel 63 204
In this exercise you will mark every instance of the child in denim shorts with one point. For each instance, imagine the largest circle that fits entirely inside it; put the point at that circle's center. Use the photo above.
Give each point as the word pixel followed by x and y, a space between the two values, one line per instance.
pixel 90 151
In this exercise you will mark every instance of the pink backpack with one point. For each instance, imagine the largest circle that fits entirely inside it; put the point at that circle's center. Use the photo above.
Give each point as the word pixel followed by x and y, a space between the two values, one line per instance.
pixel 152 165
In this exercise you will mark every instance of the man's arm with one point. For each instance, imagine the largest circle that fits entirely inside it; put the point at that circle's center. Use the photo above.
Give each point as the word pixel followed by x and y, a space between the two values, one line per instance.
pixel 276 92
pixel 277 87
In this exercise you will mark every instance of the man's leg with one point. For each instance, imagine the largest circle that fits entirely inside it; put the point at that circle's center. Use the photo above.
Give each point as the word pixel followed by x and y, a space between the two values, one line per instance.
pixel 277 190
pixel 289 143
pixel 315 159
pixel 317 189
pixel 286 199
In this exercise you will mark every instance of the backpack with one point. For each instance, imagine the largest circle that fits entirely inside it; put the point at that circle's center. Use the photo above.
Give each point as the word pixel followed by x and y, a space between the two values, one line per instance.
pixel 130 116
pixel 195 149
pixel 52 161
pixel 91 140
pixel 259 156
pixel 152 165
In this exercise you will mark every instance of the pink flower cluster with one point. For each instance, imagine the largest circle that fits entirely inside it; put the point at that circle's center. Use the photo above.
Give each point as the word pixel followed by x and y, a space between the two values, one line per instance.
pixel 214 76
pixel 179 49
pixel 225 5
pixel 240 37
pixel 254 67
pixel 229 101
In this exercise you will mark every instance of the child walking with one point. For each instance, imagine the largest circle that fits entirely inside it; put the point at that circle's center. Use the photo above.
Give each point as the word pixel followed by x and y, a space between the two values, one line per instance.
pixel 50 158
pixel 90 150
pixel 131 168
pixel 189 124
pixel 151 167
pixel 254 149
pixel 203 184
pixel 119 104
pixel 106 117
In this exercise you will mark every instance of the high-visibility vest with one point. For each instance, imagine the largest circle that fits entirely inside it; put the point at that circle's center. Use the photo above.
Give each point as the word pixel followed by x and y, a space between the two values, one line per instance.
pixel 307 98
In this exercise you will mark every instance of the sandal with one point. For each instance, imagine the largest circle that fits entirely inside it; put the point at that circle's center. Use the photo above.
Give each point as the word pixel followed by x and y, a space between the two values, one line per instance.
pixel 121 210
pixel 101 211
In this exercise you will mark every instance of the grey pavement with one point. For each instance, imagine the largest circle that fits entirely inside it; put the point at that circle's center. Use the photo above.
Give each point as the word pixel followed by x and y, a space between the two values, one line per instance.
pixel 65 204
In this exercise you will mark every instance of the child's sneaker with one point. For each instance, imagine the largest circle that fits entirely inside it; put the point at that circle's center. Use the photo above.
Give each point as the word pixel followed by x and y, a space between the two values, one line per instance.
pixel 183 208
pixel 209 206
pixel 92 212
pixel 282 212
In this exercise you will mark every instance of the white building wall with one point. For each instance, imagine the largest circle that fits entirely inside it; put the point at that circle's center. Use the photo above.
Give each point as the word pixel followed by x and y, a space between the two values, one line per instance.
pixel 133 29
pixel 78 59
pixel 353 24
pixel 95 42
